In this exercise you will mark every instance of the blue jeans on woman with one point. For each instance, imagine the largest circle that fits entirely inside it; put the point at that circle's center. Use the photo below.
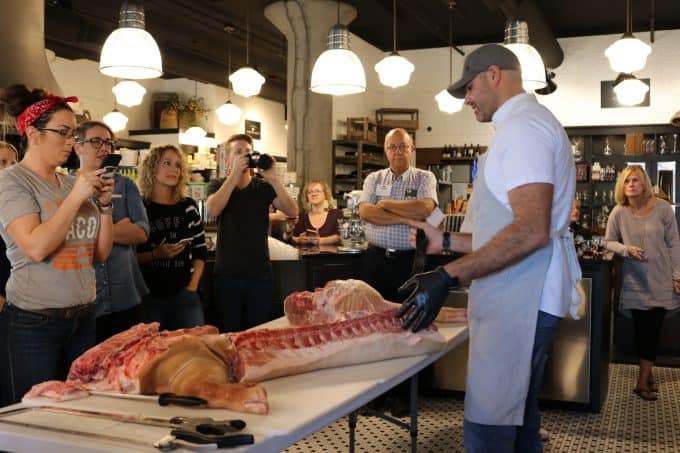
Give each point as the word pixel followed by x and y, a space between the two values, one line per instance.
pixel 35 348
pixel 480 438
pixel 179 311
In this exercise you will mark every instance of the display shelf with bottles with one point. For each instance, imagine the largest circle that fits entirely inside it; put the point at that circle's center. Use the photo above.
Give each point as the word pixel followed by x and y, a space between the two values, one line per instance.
pixel 353 160
pixel 601 152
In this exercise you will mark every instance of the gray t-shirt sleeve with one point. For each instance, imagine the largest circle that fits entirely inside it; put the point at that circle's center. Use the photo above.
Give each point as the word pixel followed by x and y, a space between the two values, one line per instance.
pixel 16 200
pixel 612 235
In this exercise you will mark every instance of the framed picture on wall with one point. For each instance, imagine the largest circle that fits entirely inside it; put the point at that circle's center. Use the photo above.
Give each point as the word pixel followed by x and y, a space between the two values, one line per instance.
pixel 253 129
pixel 582 172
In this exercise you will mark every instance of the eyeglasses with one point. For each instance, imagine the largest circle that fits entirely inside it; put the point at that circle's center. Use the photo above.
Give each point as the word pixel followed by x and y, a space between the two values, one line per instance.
pixel 6 162
pixel 66 134
pixel 97 142
pixel 400 147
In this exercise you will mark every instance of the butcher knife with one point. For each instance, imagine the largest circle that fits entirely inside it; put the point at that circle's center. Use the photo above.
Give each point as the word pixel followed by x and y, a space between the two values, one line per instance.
pixel 164 399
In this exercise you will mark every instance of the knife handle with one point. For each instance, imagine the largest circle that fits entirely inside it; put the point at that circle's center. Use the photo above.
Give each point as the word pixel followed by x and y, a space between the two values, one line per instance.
pixel 165 399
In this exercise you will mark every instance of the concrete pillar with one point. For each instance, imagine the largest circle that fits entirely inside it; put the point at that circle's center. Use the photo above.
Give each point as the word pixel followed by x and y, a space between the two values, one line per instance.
pixel 306 24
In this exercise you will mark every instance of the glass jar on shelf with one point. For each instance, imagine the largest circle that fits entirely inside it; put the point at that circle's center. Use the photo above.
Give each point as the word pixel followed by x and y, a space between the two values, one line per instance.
pixel 607 149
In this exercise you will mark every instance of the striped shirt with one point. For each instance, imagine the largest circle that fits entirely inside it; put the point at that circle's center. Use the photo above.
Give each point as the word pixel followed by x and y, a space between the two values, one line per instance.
pixel 413 184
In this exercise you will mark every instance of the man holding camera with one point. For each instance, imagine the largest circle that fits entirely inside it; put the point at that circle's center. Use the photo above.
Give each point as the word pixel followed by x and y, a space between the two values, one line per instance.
pixel 243 272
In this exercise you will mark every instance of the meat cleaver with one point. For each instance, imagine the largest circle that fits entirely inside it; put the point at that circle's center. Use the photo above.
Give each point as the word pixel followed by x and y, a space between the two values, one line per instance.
pixel 164 399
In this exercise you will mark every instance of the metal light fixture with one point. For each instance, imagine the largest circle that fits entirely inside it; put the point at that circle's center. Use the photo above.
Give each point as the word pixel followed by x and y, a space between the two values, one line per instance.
pixel 130 52
pixel 394 70
pixel 517 40
pixel 228 113
pixel 129 93
pixel 629 89
pixel 338 70
pixel 247 81
pixel 628 54
pixel 445 101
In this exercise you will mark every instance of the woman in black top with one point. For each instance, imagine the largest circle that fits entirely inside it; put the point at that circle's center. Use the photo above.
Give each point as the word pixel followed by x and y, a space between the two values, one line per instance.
pixel 173 258
pixel 318 215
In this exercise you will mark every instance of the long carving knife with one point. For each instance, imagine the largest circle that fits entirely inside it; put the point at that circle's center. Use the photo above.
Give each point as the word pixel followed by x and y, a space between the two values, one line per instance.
pixel 164 399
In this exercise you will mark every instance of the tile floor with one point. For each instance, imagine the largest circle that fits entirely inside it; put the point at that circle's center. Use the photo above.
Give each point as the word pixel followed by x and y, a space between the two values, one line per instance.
pixel 625 424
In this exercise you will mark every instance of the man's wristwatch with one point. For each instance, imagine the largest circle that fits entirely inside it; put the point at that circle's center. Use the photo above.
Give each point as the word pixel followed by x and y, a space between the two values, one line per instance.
pixel 446 243
pixel 104 209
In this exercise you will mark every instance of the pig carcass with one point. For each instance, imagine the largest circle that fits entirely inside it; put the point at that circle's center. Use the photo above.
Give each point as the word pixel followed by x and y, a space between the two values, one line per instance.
pixel 221 368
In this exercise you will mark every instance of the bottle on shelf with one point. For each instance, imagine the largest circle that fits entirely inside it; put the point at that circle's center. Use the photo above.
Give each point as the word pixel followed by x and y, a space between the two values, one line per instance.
pixel 576 149
pixel 595 171
pixel 663 148
pixel 675 149
pixel 607 149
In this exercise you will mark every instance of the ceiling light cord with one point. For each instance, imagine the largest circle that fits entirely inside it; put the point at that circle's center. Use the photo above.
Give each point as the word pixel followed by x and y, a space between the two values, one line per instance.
pixel 394 26
pixel 248 36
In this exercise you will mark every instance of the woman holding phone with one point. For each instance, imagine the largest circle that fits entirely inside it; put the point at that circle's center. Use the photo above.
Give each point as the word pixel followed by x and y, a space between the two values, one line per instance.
pixel 318 217
pixel 54 226
pixel 120 285
pixel 173 258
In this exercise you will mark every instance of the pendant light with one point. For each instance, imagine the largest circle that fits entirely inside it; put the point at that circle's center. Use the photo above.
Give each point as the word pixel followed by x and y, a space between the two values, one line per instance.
pixel 394 70
pixel 445 101
pixel 629 89
pixel 195 134
pixel 628 54
pixel 116 120
pixel 228 113
pixel 129 93
pixel 247 81
pixel 517 40
pixel 130 52
pixel 338 70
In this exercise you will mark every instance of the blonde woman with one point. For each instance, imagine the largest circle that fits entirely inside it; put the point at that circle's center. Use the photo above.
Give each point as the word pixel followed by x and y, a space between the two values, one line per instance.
pixel 318 215
pixel 642 228
pixel 173 258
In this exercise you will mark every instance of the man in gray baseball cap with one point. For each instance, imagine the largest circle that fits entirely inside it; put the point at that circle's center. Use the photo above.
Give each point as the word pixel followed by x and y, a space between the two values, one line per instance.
pixel 519 256
pixel 478 61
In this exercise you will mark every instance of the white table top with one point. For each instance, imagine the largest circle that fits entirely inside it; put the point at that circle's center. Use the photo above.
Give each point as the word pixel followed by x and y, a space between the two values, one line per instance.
pixel 299 406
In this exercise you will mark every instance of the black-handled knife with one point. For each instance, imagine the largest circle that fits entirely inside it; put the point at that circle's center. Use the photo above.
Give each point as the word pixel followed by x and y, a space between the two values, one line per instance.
pixel 166 399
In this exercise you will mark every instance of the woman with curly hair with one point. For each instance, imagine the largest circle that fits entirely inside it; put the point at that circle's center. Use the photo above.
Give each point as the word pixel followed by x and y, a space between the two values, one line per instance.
pixel 173 258
pixel 55 226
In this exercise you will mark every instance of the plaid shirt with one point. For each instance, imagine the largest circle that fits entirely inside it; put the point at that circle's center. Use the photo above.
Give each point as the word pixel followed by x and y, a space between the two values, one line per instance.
pixel 413 184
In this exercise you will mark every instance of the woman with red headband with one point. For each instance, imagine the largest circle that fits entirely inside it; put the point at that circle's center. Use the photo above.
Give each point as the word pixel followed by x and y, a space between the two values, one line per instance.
pixel 54 226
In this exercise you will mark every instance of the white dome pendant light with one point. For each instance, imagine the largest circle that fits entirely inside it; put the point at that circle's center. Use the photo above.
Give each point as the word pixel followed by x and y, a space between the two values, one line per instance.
pixel 228 113
pixel 394 70
pixel 445 101
pixel 628 54
pixel 129 93
pixel 338 71
pixel 629 89
pixel 517 40
pixel 130 52
pixel 247 81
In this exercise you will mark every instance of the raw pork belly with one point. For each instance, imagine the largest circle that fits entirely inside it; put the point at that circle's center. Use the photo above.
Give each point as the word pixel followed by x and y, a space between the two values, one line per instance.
pixel 268 353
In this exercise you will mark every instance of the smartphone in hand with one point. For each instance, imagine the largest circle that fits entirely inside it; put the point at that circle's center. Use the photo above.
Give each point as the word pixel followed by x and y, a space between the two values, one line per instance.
pixel 110 163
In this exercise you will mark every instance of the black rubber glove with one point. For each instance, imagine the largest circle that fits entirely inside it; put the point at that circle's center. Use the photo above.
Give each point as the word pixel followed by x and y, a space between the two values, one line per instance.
pixel 428 292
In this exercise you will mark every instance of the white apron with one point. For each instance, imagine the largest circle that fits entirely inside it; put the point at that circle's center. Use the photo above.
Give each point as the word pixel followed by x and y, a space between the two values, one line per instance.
pixel 502 314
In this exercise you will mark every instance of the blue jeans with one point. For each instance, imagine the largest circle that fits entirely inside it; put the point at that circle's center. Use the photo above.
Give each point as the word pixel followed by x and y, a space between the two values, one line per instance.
pixel 180 311
pixel 243 303
pixel 36 348
pixel 526 438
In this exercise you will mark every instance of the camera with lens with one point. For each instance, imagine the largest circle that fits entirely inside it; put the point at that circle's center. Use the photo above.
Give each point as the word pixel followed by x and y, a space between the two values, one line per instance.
pixel 260 160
